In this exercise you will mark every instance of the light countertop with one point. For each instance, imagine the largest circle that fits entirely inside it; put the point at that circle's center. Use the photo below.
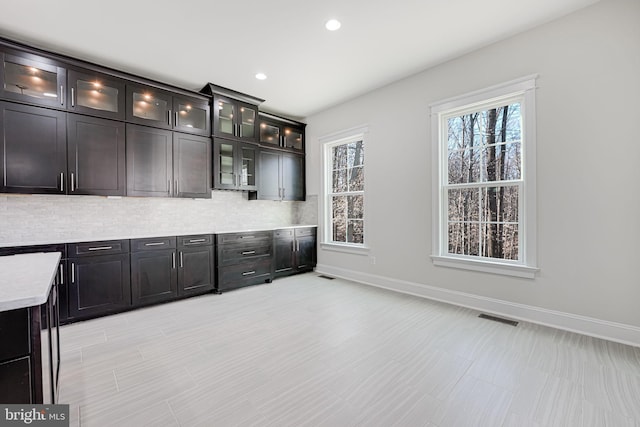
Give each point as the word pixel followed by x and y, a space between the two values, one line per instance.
pixel 25 280
pixel 97 237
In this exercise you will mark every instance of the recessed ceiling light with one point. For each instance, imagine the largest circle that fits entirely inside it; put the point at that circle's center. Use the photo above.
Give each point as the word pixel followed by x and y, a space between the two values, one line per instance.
pixel 261 76
pixel 332 24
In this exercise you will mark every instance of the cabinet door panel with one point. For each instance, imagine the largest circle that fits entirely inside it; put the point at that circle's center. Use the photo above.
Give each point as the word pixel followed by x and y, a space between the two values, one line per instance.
pixel 248 167
pixel 96 94
pixel 192 166
pixel 33 152
pixel 149 161
pixel 293 177
pixel 99 285
pixel 247 119
pixel 223 114
pixel 195 274
pixel 283 256
pixel 224 165
pixel 269 186
pixel 96 150
pixel 29 78
pixel 154 276
pixel 305 253
pixel 149 106
pixel 191 115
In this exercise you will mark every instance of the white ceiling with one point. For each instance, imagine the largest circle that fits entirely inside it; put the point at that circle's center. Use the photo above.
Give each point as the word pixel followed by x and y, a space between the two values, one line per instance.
pixel 191 42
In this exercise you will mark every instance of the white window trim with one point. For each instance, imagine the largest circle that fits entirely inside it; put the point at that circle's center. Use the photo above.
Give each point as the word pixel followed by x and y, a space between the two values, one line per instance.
pixel 527 266
pixel 327 141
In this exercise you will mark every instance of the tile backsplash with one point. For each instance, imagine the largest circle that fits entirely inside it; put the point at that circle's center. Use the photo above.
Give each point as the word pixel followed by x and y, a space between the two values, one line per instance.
pixel 34 219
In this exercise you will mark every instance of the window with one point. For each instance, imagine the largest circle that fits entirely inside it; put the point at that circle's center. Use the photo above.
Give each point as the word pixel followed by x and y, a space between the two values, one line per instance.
pixel 344 189
pixel 484 144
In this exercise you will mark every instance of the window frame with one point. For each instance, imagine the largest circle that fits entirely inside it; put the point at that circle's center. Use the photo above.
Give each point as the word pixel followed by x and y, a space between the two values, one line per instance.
pixel 520 90
pixel 327 143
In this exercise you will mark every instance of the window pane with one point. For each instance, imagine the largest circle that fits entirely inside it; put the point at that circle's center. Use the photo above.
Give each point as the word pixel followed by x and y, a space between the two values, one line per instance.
pixel 500 241
pixel 355 232
pixel 355 207
pixel 356 179
pixel 355 152
pixel 501 162
pixel 500 204
pixel 464 166
pixel 339 215
pixel 339 181
pixel 464 204
pixel 464 238
pixel 339 157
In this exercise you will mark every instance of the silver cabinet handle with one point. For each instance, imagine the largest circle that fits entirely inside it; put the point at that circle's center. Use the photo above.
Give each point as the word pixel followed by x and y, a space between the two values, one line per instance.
pixel 177 188
pixel 175 118
pixel 62 182
pixel 181 260
pixel 73 97
pixel 173 257
pixel 248 273
pixel 154 244
pixel 73 272
pixel 61 275
pixel 197 240
pixel 72 186
pixel 240 130
pixel 248 252
pixel 169 117
pixel 61 95
pixel 101 248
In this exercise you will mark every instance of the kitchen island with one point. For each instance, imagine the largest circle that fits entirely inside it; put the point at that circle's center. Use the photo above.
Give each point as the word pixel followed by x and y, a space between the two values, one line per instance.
pixel 28 302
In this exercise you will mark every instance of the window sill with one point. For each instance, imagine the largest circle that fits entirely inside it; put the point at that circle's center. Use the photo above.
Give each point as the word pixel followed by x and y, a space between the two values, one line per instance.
pixel 486 266
pixel 345 248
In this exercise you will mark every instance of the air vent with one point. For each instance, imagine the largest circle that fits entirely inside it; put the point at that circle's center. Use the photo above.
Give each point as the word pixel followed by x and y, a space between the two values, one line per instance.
pixel 326 277
pixel 498 319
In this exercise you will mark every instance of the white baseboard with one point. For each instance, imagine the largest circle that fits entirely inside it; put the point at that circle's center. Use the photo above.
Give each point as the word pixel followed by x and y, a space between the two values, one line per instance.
pixel 612 331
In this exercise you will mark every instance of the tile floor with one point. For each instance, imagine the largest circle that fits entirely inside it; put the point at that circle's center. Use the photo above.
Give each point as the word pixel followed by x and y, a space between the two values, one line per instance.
pixel 307 351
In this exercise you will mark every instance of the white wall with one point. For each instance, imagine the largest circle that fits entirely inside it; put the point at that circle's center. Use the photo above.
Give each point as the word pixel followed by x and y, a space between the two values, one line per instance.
pixel 588 174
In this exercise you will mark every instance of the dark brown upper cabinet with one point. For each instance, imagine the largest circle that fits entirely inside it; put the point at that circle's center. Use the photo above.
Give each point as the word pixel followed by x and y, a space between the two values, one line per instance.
pixel 162 163
pixel 278 132
pixel 281 176
pixel 96 156
pixel 235 114
pixel 235 165
pixel 96 94
pixel 150 106
pixel 32 79
pixel 33 149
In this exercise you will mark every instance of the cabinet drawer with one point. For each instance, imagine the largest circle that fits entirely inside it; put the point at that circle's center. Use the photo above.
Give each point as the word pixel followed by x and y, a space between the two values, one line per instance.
pixel 195 240
pixel 104 247
pixel 233 254
pixel 284 233
pixel 242 237
pixel 14 333
pixel 306 231
pixel 153 244
pixel 247 271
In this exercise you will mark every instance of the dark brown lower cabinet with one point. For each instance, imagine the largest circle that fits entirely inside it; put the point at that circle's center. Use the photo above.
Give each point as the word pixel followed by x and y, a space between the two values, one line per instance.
pixel 195 264
pixel 154 275
pixel 99 278
pixel 294 250
pixel 243 259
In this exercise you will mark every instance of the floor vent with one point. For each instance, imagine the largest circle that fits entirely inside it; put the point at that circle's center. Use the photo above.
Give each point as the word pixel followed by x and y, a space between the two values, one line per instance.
pixel 326 277
pixel 498 319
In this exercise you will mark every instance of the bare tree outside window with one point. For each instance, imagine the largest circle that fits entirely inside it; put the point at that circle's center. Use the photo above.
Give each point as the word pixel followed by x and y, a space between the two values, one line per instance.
pixel 347 192
pixel 483 189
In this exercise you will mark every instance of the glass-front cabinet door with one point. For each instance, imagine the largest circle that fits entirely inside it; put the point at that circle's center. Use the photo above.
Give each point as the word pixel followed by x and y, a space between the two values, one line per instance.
pixel 247 122
pixel 149 106
pixel 247 173
pixel 32 79
pixel 293 138
pixel 234 119
pixel 269 133
pixel 224 166
pixel 96 94
pixel 223 117
pixel 191 115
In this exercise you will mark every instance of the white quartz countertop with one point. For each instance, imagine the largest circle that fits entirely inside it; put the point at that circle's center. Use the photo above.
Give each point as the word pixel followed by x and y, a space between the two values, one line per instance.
pixel 98 237
pixel 25 280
